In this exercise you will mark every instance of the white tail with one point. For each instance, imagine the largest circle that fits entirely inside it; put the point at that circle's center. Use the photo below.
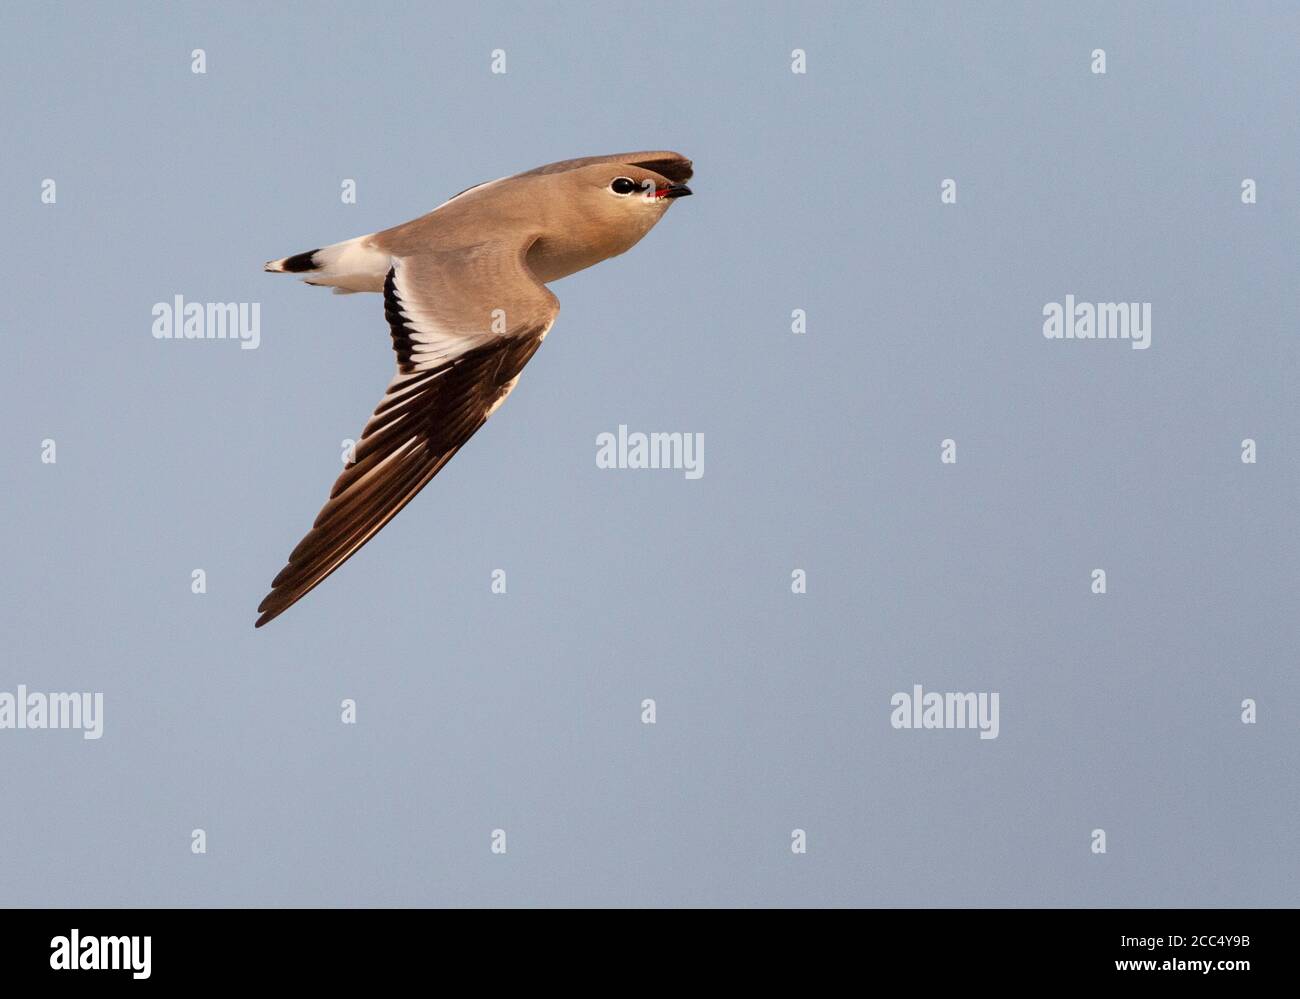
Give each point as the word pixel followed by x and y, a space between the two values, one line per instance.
pixel 353 265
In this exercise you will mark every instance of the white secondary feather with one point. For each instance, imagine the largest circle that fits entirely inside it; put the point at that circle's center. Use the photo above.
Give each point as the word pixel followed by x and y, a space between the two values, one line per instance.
pixel 437 340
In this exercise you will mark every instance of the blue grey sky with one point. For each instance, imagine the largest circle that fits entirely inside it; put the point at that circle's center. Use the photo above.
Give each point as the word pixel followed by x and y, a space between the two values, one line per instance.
pixel 478 711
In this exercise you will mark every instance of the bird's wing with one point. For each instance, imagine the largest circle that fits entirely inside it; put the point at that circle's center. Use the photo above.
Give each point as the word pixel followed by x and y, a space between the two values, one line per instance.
pixel 464 323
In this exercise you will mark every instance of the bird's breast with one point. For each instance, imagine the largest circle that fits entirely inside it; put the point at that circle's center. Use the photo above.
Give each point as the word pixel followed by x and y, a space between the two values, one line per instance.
pixel 552 258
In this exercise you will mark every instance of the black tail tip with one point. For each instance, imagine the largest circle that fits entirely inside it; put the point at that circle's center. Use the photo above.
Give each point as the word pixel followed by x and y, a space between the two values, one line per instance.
pixel 299 262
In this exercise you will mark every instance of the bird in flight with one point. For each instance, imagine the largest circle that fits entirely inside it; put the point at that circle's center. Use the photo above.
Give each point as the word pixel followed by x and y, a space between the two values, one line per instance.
pixel 467 305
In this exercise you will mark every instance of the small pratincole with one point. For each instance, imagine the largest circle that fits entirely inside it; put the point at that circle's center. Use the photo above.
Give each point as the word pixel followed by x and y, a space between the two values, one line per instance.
pixel 466 302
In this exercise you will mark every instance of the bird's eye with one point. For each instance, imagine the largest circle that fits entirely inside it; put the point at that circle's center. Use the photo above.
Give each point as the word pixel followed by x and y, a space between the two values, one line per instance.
pixel 622 185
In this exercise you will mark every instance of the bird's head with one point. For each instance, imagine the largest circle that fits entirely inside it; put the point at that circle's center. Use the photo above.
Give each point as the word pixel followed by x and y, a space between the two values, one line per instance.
pixel 624 199
pixel 597 207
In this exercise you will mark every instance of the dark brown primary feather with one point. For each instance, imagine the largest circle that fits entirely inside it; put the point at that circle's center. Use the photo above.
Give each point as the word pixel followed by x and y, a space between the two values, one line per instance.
pixel 422 421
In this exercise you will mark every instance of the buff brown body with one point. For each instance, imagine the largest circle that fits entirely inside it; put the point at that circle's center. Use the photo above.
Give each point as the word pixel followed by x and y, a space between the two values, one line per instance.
pixel 467 306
